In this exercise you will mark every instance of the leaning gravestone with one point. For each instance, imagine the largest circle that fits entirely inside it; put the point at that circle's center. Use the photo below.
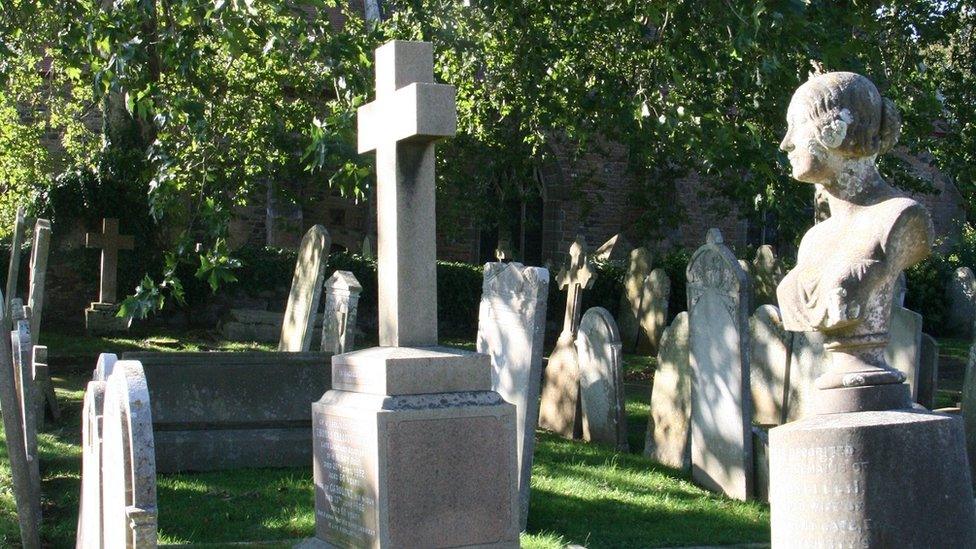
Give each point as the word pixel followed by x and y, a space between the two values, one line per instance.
pixel 767 271
pixel 100 316
pixel 22 350
pixel 928 372
pixel 27 494
pixel 601 379
pixel 560 387
pixel 306 290
pixel 961 301
pixel 412 447
pixel 769 367
pixel 511 329
pixel 655 295
pixel 13 267
pixel 128 502
pixel 904 349
pixel 630 299
pixel 339 317
pixel 38 274
pixel 721 405
pixel 669 425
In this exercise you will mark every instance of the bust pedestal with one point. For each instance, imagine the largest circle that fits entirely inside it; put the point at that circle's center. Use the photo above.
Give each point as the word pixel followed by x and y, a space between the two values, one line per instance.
pixel 412 448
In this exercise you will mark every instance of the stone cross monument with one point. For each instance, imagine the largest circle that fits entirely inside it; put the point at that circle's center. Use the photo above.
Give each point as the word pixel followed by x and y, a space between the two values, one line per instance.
pixel 574 278
pixel 870 470
pixel 110 241
pixel 412 448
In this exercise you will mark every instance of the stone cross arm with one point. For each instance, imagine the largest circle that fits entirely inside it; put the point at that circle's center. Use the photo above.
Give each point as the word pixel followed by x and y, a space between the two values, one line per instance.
pixel 110 238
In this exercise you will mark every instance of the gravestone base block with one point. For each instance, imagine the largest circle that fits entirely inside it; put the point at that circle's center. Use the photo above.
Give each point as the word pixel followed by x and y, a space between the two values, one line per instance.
pixel 397 469
pixel 100 319
pixel 871 479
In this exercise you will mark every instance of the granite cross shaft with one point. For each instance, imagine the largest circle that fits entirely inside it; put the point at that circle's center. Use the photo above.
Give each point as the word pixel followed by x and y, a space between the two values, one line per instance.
pixel 110 241
pixel 410 113
pixel 574 277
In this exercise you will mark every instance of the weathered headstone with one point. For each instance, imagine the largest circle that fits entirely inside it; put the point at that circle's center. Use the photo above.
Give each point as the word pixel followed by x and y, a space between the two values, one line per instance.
pixel 129 514
pixel 968 405
pixel 306 291
pixel 721 405
pixel 807 363
pixel 90 524
pixel 770 346
pixel 607 249
pixel 412 447
pixel 47 401
pixel 100 316
pixel 601 379
pixel 558 411
pixel 13 267
pixel 367 251
pixel 339 318
pixel 668 439
pixel 961 301
pixel 27 493
pixel 630 299
pixel 904 349
pixel 511 329
pixel 230 410
pixel 38 274
pixel 655 296
pixel 928 372
pixel 767 271
pixel 22 350
pixel 900 291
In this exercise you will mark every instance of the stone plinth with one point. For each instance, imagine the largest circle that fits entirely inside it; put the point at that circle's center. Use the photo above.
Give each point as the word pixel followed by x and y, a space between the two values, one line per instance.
pixel 871 479
pixel 101 319
pixel 413 449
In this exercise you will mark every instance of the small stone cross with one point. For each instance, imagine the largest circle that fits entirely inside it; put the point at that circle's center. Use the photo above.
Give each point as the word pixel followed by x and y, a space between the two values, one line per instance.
pixel 575 277
pixel 410 113
pixel 110 241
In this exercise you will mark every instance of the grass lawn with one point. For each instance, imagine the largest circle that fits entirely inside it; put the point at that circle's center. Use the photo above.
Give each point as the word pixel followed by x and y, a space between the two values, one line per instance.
pixel 581 493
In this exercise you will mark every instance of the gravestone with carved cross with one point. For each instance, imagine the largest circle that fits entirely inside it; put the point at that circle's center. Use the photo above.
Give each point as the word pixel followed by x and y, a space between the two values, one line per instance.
pixel 100 317
pixel 559 410
pixel 411 430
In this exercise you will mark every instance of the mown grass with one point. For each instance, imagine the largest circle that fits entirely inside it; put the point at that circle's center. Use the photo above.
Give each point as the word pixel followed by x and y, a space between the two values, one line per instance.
pixel 581 493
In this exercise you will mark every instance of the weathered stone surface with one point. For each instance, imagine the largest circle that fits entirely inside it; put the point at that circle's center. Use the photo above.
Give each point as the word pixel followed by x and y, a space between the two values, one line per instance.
pixel 760 467
pixel 607 250
pixel 511 330
pixel 110 241
pixel 47 402
pixel 411 370
pixel 961 301
pixel 770 346
pixel 668 439
pixel 103 319
pixel 807 363
pixel 26 493
pixel 721 423
pixel 560 387
pixel 27 391
pixel 655 295
pixel 968 405
pixel 629 320
pixel 871 479
pixel 38 274
pixel 339 317
pixel 904 349
pixel 129 514
pixel 90 510
pixel 601 379
pixel 216 411
pixel 306 290
pixel 767 272
pixel 928 372
pixel 13 267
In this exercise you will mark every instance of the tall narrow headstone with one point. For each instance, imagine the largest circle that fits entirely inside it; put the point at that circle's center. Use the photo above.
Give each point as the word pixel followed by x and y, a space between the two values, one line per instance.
pixel 306 291
pixel 767 272
pixel 655 296
pixel 22 349
pixel 412 447
pixel 511 329
pixel 13 267
pixel 26 492
pixel 721 423
pixel 341 304
pixel 967 403
pixel 560 387
pixel 904 349
pixel 129 513
pixel 630 299
pixel 928 372
pixel 668 439
pixel 601 379
pixel 90 524
pixel 770 346
pixel 961 302
pixel 38 274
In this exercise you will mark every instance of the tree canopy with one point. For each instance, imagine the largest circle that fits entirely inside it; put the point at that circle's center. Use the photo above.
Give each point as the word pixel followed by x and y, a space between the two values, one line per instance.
pixel 189 108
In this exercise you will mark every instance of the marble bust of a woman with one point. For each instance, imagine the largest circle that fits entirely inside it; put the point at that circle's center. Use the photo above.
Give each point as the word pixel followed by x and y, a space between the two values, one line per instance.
pixel 838 124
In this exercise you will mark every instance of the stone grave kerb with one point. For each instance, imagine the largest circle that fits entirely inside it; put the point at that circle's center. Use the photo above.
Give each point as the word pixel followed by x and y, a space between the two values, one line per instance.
pixel 110 241
pixel 575 277
pixel 409 114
